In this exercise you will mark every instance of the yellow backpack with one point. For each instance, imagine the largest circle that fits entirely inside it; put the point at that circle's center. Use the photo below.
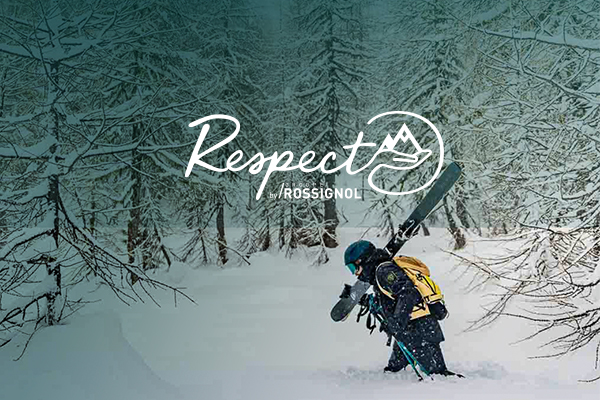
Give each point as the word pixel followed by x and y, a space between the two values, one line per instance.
pixel 419 274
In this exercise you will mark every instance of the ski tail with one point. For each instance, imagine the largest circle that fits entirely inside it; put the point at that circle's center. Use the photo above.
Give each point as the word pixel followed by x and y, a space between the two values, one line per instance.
pixel 437 192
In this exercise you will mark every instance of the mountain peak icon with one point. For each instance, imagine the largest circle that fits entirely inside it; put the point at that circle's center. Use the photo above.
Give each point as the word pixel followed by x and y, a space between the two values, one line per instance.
pixel 404 134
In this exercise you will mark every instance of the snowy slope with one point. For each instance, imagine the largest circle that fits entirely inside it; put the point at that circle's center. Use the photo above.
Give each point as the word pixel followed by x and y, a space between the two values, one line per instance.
pixel 264 332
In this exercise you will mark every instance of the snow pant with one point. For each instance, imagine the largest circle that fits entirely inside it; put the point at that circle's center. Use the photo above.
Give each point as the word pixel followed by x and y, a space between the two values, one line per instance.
pixel 428 354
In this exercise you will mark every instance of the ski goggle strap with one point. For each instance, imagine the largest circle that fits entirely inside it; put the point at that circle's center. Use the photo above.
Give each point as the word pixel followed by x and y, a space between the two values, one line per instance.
pixel 351 267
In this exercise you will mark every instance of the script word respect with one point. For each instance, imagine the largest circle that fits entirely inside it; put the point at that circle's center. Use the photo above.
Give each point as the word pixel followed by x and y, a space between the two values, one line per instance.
pixel 276 162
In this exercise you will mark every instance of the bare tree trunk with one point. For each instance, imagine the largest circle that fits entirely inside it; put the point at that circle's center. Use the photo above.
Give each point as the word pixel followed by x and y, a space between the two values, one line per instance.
pixel 3 92
pixel 204 255
pixel 330 216
pixel 330 213
pixel 281 233
pixel 54 195
pixel 53 268
pixel 266 239
pixel 53 312
pixel 459 238
pixel 362 188
pixel 134 226
pixel 221 239
pixel 2 105
pixel 294 226
pixel 461 210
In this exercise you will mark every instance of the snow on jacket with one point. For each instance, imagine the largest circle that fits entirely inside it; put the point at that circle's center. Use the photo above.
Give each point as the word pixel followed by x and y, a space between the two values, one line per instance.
pixel 397 312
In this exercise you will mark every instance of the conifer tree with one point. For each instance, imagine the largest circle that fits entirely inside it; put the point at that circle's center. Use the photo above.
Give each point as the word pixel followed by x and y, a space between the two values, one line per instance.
pixel 60 134
pixel 327 94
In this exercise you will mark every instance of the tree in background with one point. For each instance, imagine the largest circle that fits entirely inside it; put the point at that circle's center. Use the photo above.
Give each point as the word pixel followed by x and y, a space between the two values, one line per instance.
pixel 327 94
pixel 229 40
pixel 543 59
pixel 58 134
pixel 429 73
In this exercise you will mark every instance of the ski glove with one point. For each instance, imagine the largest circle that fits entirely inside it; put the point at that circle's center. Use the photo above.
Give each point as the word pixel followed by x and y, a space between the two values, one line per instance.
pixel 408 229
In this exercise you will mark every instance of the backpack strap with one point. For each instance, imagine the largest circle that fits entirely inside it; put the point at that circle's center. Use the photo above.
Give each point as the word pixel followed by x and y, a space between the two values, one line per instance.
pixel 379 285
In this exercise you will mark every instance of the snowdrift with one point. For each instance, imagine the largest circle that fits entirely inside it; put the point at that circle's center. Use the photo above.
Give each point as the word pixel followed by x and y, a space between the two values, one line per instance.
pixel 86 359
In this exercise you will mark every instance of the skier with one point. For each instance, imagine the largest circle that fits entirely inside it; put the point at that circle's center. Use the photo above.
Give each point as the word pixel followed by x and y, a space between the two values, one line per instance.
pixel 399 298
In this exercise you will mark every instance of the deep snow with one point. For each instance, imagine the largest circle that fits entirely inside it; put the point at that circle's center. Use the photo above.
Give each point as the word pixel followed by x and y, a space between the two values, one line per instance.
pixel 264 332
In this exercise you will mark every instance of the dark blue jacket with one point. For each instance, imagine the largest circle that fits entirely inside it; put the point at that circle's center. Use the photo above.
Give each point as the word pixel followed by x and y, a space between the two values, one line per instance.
pixel 397 312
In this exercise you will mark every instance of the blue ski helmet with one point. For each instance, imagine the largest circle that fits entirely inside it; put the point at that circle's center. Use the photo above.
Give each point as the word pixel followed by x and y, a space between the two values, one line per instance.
pixel 356 251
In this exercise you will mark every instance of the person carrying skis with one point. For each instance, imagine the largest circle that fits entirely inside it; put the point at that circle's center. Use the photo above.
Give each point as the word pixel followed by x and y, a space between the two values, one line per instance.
pixel 419 332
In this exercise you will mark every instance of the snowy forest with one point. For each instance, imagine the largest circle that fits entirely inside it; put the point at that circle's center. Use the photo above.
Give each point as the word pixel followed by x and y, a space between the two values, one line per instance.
pixel 96 98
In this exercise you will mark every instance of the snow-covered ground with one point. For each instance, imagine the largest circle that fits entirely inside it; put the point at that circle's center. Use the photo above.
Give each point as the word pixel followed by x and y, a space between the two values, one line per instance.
pixel 264 332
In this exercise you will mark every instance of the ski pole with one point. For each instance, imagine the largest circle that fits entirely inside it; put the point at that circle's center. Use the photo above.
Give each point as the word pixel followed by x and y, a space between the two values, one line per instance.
pixel 412 360
pixel 409 358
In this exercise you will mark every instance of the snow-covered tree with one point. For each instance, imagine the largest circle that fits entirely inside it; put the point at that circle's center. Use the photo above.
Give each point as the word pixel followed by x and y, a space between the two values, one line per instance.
pixel 327 95
pixel 426 71
pixel 229 40
pixel 541 120
pixel 60 133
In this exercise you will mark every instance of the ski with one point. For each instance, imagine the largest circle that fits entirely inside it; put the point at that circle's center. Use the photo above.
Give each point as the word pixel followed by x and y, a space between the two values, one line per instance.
pixel 349 299
pixel 426 206
pixel 351 296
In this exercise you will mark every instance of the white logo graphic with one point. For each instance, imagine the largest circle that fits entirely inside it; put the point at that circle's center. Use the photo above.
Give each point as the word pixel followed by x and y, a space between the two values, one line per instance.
pixel 411 161
pixel 283 162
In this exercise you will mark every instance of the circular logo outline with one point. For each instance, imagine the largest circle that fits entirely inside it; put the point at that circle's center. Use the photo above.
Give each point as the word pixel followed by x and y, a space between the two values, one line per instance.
pixel 440 163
